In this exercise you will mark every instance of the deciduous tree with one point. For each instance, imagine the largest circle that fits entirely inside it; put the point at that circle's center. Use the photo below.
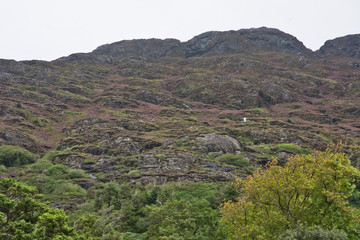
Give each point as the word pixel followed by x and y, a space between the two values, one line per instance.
pixel 311 190
pixel 23 216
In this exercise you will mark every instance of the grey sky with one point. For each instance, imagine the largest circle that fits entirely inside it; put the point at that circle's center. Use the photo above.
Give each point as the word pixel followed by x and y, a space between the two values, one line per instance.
pixel 49 29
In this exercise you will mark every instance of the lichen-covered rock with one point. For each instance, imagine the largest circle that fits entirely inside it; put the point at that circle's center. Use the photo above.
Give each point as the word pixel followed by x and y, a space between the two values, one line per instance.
pixel 114 102
pixel 244 40
pixel 13 137
pixel 72 160
pixel 166 162
pixel 124 145
pixel 347 46
pixel 160 99
pixel 142 48
pixel 273 93
pixel 213 143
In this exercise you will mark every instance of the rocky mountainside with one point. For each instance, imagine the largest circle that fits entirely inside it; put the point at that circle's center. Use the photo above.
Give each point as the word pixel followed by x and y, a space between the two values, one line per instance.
pixel 347 46
pixel 209 43
pixel 153 111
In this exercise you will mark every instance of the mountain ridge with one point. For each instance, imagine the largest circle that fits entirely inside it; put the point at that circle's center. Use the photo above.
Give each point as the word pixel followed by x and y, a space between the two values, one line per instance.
pixel 212 42
pixel 219 42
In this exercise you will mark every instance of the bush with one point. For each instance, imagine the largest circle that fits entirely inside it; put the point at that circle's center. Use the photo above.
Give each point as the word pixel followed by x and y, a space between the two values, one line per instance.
pixel 190 191
pixel 235 160
pixel 50 156
pixel 292 148
pixel 184 220
pixel 76 173
pixel 68 189
pixel 2 168
pixel 40 165
pixel 134 173
pixel 15 156
pixel 58 170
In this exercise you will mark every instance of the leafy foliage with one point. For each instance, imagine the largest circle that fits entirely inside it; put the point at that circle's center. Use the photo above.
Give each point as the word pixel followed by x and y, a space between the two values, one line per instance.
pixel 313 233
pixel 184 220
pixel 14 156
pixel 23 216
pixel 309 190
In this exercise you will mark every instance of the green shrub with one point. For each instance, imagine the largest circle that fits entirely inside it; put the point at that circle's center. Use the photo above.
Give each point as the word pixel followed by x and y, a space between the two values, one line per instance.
pixel 40 165
pixel 161 156
pixel 235 160
pixel 53 153
pixel 68 189
pixel 134 173
pixel 15 156
pixel 58 170
pixel 190 191
pixel 292 148
pixel 76 173
pixel 2 168
pixel 259 110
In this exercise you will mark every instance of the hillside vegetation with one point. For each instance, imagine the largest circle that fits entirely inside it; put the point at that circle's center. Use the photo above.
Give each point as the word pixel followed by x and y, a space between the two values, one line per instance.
pixel 139 131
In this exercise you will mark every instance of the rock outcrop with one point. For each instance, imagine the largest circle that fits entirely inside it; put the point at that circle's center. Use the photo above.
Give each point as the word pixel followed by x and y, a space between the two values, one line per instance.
pixel 347 46
pixel 209 43
pixel 142 48
pixel 244 40
pixel 167 162
pixel 13 137
pixel 212 143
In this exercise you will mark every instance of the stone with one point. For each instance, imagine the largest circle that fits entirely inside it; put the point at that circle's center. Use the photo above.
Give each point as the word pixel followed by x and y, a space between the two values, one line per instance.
pixel 165 162
pixel 213 143
pixel 72 160
pixel 13 137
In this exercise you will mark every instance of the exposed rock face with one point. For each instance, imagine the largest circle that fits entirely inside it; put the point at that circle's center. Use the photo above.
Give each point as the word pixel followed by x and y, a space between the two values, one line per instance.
pixel 122 146
pixel 13 137
pixel 347 46
pixel 159 99
pixel 273 93
pixel 167 162
pixel 213 143
pixel 143 48
pixel 243 41
pixel 119 103
pixel 71 160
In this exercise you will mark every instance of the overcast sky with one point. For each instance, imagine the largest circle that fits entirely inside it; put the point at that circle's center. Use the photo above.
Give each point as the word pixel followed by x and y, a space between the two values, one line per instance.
pixel 49 29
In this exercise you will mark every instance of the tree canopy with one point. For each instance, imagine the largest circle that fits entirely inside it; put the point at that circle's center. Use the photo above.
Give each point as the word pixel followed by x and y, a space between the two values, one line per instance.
pixel 23 216
pixel 310 190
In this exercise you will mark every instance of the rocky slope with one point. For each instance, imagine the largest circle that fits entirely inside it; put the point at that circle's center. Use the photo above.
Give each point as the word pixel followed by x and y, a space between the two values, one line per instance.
pixel 163 110
pixel 347 46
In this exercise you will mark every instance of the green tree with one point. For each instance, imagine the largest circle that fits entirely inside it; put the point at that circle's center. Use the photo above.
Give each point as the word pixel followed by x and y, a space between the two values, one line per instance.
pixel 90 226
pixel 311 190
pixel 184 220
pixel 23 216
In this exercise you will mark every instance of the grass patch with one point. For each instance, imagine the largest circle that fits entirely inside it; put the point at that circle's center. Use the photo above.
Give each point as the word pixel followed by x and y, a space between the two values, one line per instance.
pixel 50 156
pixel 292 148
pixel 235 160
pixel 259 110
pixel 120 114
pixel 133 173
